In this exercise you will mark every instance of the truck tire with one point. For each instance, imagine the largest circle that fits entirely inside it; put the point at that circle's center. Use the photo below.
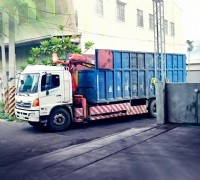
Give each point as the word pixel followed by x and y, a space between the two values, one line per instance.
pixel 59 120
pixel 152 108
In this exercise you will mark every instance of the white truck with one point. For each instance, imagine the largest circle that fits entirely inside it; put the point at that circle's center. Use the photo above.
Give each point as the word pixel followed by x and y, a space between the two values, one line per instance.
pixel 44 96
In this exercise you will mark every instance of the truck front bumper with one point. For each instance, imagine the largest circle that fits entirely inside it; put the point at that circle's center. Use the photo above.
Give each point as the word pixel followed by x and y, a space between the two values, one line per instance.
pixel 27 115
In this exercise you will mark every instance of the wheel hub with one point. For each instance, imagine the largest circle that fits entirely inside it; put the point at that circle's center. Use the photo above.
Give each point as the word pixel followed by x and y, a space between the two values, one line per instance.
pixel 59 119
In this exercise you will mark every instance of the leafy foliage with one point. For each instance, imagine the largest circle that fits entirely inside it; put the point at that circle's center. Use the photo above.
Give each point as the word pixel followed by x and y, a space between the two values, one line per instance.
pixel 23 66
pixel 2 104
pixel 190 45
pixel 61 27
pixel 44 47
pixel 153 82
pixel 61 46
pixel 35 52
pixel 31 60
pixel 88 45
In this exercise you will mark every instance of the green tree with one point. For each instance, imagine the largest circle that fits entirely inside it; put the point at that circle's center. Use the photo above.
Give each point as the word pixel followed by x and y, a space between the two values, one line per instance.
pixel 189 50
pixel 10 6
pixel 60 46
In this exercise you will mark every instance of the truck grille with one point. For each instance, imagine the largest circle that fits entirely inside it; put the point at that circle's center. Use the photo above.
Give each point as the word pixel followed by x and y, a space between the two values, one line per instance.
pixel 23 104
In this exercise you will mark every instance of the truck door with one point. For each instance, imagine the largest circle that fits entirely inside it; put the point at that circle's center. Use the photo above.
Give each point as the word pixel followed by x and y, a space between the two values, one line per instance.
pixel 50 92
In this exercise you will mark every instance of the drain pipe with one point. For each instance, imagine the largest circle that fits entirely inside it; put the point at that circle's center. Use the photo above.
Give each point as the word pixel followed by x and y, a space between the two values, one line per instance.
pixel 196 107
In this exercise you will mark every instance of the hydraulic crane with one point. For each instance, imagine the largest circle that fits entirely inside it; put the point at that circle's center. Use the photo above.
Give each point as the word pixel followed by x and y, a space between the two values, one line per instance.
pixel 72 61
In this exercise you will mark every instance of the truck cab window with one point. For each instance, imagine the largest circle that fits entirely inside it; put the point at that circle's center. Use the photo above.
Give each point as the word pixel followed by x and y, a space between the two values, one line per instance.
pixel 28 83
pixel 54 82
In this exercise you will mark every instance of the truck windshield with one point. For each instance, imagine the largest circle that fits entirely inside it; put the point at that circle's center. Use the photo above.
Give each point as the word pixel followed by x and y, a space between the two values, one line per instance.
pixel 28 83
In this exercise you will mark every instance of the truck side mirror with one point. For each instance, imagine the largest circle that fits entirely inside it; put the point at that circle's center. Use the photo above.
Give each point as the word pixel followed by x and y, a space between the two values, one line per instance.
pixel 47 92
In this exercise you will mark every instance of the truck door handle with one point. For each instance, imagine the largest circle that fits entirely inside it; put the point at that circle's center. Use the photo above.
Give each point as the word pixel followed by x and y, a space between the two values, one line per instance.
pixel 58 95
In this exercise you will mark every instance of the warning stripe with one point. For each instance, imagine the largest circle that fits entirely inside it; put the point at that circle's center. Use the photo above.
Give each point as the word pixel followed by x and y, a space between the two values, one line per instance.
pixel 78 112
pixel 6 98
pixel 97 112
pixel 11 109
pixel 130 110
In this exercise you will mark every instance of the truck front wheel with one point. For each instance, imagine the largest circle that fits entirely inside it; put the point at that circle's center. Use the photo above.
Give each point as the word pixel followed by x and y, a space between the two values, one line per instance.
pixel 59 120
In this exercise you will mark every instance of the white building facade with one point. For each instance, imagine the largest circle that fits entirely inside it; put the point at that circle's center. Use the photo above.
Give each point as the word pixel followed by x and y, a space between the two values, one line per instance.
pixel 128 24
pixel 193 63
pixel 110 24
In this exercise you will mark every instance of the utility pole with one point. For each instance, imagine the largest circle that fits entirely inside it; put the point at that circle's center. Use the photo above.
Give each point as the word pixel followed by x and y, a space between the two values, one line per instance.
pixel 159 40
pixel 3 55
pixel 12 62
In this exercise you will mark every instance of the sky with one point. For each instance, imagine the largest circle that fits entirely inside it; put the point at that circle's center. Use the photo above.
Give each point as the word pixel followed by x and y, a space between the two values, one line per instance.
pixel 191 18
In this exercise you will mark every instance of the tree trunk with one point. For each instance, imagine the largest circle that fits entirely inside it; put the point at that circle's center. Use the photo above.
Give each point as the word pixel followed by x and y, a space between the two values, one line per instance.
pixel 4 67
pixel 12 62
pixel 188 60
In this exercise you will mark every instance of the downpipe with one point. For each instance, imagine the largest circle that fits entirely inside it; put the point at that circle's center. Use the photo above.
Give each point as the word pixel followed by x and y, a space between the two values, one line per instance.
pixel 196 107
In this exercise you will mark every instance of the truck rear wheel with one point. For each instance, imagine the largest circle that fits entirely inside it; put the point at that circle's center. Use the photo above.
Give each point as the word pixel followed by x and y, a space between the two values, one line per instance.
pixel 152 108
pixel 59 120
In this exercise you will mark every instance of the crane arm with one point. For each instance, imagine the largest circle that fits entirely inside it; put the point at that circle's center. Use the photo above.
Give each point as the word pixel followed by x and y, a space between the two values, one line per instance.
pixel 77 59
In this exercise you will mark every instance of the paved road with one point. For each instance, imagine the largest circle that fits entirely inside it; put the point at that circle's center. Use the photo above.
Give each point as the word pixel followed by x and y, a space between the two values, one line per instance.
pixel 20 141
pixel 144 151
pixel 128 149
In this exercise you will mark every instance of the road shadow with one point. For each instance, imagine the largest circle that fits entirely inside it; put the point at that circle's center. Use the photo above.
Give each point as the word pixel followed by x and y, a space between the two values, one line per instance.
pixel 93 124
pixel 112 121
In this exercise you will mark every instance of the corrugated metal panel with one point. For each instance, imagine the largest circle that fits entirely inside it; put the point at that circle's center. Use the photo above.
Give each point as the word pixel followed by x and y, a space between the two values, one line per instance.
pixel 118 84
pixel 130 77
pixel 176 67
pixel 101 85
pixel 110 85
pixel 125 60
pixel 134 83
pixel 117 60
pixel 126 84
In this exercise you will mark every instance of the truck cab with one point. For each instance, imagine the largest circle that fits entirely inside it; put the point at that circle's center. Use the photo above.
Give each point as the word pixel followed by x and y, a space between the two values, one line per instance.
pixel 44 96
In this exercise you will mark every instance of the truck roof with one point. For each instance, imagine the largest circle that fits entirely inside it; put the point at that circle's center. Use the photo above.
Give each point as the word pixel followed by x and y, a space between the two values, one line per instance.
pixel 37 68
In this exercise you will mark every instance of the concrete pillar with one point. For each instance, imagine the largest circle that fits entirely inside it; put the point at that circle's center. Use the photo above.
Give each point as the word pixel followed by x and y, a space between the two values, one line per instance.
pixel 160 103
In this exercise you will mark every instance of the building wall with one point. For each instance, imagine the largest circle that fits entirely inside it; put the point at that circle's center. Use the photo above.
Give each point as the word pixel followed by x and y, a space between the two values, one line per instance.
pixel 33 28
pixel 193 76
pixel 193 73
pixel 173 108
pixel 105 31
pixel 193 63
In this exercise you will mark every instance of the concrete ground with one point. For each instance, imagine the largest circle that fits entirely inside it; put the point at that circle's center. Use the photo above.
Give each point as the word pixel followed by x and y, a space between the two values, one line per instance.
pixel 159 153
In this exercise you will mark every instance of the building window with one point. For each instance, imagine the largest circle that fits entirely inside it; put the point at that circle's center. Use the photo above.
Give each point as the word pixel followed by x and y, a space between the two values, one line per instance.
pixel 140 21
pixel 61 7
pixel 151 22
pixel 166 26
pixel 99 7
pixel 23 13
pixel 120 11
pixel 40 9
pixel 172 28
